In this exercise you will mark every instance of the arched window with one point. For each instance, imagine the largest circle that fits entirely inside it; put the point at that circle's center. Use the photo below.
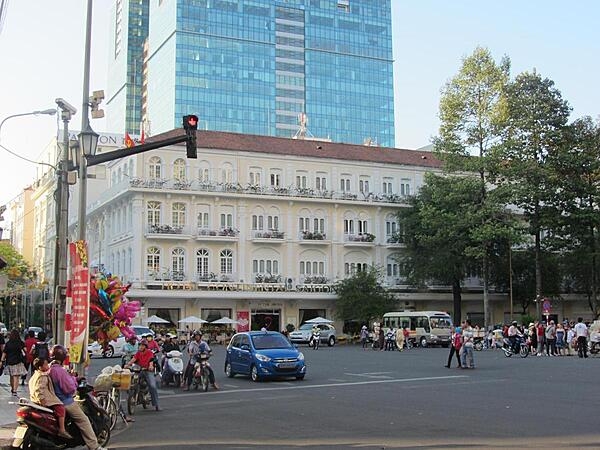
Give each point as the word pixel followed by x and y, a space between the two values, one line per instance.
pixel 153 213
pixel 226 257
pixel 178 263
pixel 178 214
pixel 227 173
pixel 179 170
pixel 153 260
pixel 154 168
pixel 202 264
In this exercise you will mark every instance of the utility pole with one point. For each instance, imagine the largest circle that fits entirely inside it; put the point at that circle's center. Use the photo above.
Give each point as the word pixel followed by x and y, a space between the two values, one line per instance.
pixel 62 225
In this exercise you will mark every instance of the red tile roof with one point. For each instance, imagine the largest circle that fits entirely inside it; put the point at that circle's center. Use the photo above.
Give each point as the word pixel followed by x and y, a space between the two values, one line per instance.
pixel 308 148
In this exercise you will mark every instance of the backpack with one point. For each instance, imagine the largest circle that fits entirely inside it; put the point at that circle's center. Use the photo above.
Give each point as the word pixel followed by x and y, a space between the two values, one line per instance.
pixel 40 350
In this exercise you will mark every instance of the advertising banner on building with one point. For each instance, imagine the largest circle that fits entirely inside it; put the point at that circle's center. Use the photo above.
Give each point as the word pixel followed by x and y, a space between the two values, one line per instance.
pixel 243 319
pixel 80 306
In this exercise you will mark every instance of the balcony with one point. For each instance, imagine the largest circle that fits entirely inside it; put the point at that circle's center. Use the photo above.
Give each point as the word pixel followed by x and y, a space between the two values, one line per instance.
pixel 314 283
pixel 167 279
pixel 394 241
pixel 167 232
pixel 268 236
pixel 259 190
pixel 360 239
pixel 222 234
pixel 310 237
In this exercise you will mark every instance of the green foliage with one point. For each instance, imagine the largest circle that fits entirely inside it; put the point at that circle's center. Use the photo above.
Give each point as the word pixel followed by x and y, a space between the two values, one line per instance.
pixel 17 268
pixel 361 297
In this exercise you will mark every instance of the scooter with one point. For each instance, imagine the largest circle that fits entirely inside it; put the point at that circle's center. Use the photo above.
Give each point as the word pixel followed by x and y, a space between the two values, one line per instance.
pixel 38 426
pixel 521 344
pixel 315 340
pixel 172 369
pixel 138 393
pixel 202 369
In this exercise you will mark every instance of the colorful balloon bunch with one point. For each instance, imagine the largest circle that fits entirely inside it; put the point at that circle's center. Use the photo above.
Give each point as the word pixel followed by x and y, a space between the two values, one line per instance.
pixel 110 311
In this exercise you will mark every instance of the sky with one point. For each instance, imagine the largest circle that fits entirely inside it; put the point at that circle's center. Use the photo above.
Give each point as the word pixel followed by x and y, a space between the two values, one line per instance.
pixel 42 49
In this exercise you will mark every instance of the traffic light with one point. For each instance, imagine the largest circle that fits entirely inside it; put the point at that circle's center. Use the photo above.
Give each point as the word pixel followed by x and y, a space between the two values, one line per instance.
pixel 190 125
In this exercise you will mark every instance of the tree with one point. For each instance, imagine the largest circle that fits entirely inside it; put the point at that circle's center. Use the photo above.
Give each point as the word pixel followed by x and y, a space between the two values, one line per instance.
pixel 472 114
pixel 362 297
pixel 443 230
pixel 536 118
pixel 18 272
pixel 575 232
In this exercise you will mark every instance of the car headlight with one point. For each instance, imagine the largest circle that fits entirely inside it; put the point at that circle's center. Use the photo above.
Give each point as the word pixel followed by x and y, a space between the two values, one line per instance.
pixel 262 358
pixel 300 356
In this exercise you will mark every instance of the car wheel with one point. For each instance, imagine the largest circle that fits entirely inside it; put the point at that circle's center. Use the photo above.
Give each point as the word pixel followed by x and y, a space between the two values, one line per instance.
pixel 423 342
pixel 254 374
pixel 109 352
pixel 331 341
pixel 229 371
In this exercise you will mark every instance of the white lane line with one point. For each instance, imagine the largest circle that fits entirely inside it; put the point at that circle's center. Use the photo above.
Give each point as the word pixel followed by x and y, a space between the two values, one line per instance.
pixel 380 375
pixel 330 385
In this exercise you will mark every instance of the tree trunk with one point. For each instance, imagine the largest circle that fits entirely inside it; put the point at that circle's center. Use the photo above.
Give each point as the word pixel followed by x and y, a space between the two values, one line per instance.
pixel 457 302
pixel 538 274
pixel 487 314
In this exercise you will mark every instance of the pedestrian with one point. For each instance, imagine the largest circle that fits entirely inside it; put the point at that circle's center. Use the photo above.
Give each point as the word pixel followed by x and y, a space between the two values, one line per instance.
pixel 381 339
pixel 468 361
pixel 570 339
pixel 560 339
pixel 13 357
pixel 30 341
pixel 406 334
pixel 455 346
pixel 551 339
pixel 376 328
pixel 581 332
pixel 364 336
pixel 540 338
pixel 400 339
pixel 390 339
pixel 532 333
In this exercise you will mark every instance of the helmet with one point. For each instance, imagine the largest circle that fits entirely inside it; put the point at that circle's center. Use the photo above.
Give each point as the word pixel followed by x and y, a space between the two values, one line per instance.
pixel 147 336
pixel 169 335
pixel 144 342
pixel 197 333
pixel 514 322
pixel 58 353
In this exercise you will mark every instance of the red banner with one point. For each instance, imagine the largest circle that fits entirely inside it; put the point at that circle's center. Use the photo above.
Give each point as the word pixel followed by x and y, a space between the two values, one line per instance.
pixel 243 319
pixel 80 290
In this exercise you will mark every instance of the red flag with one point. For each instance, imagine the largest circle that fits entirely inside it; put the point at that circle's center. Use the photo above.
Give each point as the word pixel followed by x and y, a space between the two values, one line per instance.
pixel 128 141
pixel 142 137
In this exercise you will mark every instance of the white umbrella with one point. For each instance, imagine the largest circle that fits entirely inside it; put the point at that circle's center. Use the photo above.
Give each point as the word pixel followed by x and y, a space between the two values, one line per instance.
pixel 319 320
pixel 225 321
pixel 192 319
pixel 156 319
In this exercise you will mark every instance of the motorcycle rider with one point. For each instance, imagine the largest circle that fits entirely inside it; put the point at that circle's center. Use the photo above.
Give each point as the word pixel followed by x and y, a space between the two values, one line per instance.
pixel 196 347
pixel 167 346
pixel 145 358
pixel 513 333
pixel 65 386
pixel 130 348
pixel 315 336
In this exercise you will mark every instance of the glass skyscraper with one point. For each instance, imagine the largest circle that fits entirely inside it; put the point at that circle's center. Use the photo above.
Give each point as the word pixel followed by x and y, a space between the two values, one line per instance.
pixel 253 66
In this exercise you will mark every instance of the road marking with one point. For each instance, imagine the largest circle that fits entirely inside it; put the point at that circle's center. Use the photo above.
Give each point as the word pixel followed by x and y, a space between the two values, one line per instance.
pixel 370 374
pixel 328 385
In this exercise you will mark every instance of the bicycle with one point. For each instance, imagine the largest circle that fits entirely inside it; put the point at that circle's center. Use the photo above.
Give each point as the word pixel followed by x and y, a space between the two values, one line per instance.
pixel 110 401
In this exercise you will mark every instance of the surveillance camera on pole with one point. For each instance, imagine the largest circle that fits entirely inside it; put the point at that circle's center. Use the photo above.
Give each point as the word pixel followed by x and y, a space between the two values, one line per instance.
pixel 95 100
pixel 65 106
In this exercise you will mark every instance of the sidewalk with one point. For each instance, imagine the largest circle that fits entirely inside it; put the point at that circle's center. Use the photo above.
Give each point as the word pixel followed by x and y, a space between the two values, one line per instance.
pixel 8 407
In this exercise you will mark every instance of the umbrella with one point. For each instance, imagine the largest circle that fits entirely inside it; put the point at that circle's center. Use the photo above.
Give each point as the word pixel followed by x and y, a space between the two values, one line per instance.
pixel 319 320
pixel 192 319
pixel 225 321
pixel 156 319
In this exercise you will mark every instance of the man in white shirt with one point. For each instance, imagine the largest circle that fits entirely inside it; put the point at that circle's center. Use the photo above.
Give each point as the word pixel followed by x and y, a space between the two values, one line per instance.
pixel 581 332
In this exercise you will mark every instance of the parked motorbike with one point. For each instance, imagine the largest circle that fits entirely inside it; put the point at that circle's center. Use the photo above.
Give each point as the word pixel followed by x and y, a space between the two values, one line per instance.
pixel 172 369
pixel 138 393
pixel 202 370
pixel 38 426
pixel 315 340
pixel 594 347
pixel 521 346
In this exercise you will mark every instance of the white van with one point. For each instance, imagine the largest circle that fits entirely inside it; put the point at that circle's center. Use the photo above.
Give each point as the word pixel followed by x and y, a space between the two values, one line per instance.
pixel 425 327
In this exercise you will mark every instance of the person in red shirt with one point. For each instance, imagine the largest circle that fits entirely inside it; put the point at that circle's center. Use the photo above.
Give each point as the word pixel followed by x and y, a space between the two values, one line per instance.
pixel 29 343
pixel 152 344
pixel 145 359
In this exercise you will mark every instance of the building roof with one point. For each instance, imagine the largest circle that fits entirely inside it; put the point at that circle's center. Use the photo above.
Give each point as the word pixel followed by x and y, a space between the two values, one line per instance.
pixel 219 140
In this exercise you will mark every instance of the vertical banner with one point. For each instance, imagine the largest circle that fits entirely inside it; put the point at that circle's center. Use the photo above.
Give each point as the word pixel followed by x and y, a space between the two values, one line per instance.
pixel 80 306
pixel 243 319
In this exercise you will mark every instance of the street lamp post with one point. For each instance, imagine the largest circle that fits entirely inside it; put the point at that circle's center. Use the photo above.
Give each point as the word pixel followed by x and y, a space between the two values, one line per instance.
pixel 48 112
pixel 88 144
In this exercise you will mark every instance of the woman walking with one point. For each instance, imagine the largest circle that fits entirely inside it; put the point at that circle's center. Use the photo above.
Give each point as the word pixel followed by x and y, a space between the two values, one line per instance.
pixel 455 347
pixel 364 337
pixel 12 358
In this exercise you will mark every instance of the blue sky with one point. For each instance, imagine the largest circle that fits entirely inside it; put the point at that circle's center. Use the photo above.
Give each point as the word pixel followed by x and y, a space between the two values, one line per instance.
pixel 42 43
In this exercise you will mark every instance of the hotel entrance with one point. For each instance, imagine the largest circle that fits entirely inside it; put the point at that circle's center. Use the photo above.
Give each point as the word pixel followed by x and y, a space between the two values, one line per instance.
pixel 267 318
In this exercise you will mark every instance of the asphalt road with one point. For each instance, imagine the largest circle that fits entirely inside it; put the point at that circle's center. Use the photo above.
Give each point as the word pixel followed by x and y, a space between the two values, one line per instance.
pixel 352 398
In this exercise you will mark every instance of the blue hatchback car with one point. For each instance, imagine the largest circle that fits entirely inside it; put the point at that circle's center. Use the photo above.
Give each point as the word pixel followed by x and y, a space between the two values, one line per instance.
pixel 263 354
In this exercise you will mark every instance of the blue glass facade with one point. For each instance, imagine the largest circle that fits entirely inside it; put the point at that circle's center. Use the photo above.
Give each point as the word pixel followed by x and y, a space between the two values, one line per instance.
pixel 251 66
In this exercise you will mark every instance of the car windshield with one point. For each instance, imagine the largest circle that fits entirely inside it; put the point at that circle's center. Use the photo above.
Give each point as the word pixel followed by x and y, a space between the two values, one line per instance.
pixel 266 341
pixel 306 326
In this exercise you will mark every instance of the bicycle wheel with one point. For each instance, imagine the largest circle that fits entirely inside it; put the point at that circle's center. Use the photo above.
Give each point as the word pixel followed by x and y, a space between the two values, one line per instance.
pixel 108 404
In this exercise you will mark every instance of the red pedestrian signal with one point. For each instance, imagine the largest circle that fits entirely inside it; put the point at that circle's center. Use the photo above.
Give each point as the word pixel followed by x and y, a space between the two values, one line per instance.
pixel 190 125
